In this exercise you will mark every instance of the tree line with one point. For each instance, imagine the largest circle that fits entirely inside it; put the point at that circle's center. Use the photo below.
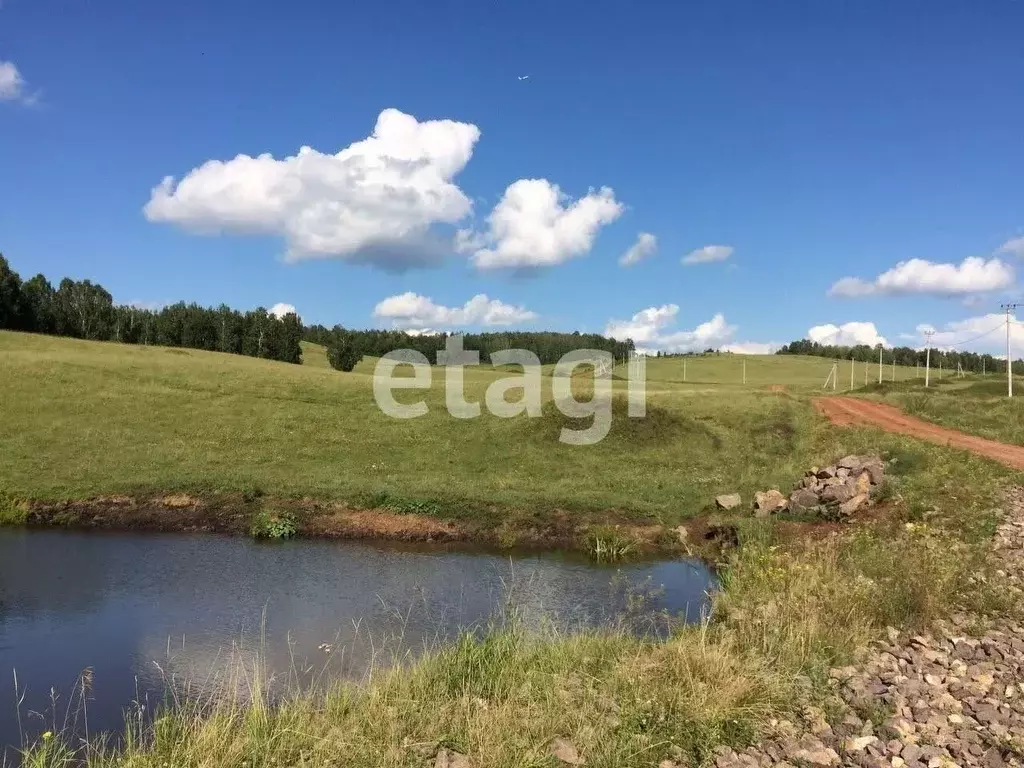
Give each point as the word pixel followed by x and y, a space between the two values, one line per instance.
pixel 346 347
pixel 970 362
pixel 82 309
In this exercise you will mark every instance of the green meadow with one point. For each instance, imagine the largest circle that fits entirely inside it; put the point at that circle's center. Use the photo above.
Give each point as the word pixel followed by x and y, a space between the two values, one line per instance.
pixel 91 418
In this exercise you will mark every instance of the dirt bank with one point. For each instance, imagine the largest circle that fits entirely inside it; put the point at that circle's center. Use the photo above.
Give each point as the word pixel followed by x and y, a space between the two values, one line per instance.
pixel 234 514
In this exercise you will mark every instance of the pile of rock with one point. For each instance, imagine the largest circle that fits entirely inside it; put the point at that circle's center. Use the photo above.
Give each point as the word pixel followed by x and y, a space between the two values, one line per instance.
pixel 841 488
pixel 835 491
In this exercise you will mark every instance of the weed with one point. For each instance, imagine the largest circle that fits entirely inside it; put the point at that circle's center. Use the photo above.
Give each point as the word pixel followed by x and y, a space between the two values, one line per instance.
pixel 268 524
pixel 12 512
pixel 606 544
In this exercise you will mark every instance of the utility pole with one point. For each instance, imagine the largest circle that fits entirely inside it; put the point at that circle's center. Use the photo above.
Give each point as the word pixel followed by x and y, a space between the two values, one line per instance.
pixel 879 364
pixel 684 370
pixel 1009 352
pixel 853 367
pixel 928 355
pixel 744 371
pixel 894 366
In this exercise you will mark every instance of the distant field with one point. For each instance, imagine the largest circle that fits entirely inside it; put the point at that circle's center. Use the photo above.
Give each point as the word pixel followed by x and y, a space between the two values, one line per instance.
pixel 314 355
pixel 797 372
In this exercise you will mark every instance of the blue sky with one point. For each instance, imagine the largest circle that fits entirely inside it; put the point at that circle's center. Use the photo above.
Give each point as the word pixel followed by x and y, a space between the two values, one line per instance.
pixel 808 141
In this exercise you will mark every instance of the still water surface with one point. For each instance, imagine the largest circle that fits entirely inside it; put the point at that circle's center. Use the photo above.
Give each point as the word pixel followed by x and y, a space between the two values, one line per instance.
pixel 139 609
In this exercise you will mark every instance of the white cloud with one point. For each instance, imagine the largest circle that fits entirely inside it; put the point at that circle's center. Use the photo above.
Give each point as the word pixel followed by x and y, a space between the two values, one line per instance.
pixel 1014 246
pixel 708 253
pixel 645 245
pixel 374 201
pixel 917 276
pixel 149 306
pixel 536 225
pixel 984 332
pixel 752 348
pixel 847 334
pixel 281 309
pixel 410 310
pixel 650 329
pixel 12 84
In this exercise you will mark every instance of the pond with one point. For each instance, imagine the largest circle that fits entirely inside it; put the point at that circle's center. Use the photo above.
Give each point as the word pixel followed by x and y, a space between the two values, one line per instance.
pixel 138 610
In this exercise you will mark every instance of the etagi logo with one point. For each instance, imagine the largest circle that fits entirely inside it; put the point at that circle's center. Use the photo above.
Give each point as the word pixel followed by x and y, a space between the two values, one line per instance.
pixel 454 358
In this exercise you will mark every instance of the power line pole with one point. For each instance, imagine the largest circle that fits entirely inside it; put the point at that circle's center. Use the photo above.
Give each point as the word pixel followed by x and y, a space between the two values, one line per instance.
pixel 1009 353
pixel 853 367
pixel 879 364
pixel 928 355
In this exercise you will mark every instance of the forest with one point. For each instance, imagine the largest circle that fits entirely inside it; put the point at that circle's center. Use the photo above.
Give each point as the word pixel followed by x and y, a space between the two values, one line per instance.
pixel 970 362
pixel 85 310
pixel 346 347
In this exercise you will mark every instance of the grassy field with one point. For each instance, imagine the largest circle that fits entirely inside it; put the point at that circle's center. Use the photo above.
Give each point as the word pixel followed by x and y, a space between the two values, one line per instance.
pixel 973 404
pixel 84 419
pixel 794 372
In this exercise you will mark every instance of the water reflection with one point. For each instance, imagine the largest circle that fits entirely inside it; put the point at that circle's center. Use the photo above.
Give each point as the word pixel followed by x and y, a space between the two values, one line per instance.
pixel 138 609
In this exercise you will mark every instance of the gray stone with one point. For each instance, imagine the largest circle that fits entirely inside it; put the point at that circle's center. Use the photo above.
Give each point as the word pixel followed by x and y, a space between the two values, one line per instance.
pixel 447 758
pixel 852 463
pixel 851 506
pixel 565 751
pixel 728 501
pixel 803 500
pixel 826 472
pixel 837 494
pixel 768 502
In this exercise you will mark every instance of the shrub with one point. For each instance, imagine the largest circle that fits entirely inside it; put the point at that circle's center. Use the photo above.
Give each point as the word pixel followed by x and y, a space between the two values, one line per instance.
pixel 273 525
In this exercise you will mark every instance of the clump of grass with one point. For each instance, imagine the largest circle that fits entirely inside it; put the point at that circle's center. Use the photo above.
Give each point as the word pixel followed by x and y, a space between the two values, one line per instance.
pixel 400 505
pixel 271 524
pixel 12 511
pixel 606 544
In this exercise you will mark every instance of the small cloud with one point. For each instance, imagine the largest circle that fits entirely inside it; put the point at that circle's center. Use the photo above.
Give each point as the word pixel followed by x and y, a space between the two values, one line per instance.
pixel 281 309
pixel 752 348
pixel 535 225
pixel 410 310
pixel 645 245
pixel 920 277
pixel 984 332
pixel 149 306
pixel 1014 246
pixel 12 85
pixel 708 254
pixel 651 331
pixel 847 334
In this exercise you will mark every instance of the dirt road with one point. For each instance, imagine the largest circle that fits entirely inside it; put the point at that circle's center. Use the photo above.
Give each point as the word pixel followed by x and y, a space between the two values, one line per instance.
pixel 850 410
